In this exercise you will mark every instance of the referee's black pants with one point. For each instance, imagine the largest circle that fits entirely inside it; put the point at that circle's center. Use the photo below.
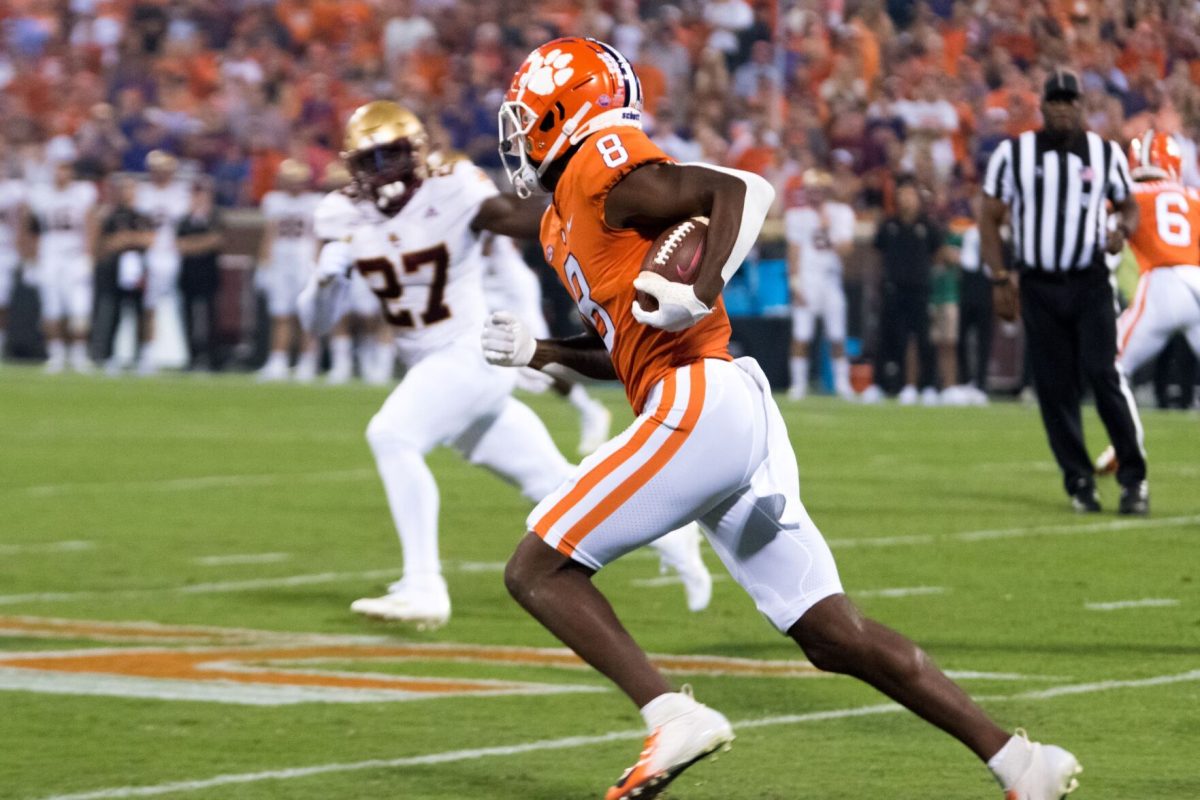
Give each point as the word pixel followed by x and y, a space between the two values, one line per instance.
pixel 1071 325
pixel 975 321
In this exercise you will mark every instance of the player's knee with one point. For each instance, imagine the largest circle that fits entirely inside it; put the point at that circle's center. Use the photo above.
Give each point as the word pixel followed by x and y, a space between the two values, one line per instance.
pixel 833 636
pixel 383 436
pixel 529 569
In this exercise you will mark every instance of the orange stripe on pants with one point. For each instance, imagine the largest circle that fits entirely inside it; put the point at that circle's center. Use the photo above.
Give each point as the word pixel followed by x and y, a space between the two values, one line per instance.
pixel 644 473
pixel 610 464
pixel 1139 306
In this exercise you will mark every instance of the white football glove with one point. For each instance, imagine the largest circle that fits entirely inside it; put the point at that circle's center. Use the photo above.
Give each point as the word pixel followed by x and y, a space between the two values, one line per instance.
pixel 678 306
pixel 507 341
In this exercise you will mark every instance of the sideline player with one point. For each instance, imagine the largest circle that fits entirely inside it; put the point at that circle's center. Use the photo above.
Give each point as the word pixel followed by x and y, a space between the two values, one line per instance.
pixel 820 236
pixel 510 285
pixel 413 232
pixel 709 441
pixel 63 213
pixel 286 259
pixel 12 239
pixel 167 201
pixel 1167 248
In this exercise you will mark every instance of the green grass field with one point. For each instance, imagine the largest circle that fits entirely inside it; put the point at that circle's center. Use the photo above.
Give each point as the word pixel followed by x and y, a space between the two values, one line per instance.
pixel 221 503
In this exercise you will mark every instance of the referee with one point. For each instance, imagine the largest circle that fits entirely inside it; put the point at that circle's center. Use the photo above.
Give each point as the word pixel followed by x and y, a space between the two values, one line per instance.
pixel 1057 183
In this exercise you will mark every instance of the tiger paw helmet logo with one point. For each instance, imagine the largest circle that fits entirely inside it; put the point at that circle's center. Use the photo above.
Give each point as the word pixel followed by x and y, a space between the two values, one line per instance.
pixel 547 73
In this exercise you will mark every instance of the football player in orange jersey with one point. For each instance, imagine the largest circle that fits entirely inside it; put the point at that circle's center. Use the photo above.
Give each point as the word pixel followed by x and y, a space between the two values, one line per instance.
pixel 709 442
pixel 1167 249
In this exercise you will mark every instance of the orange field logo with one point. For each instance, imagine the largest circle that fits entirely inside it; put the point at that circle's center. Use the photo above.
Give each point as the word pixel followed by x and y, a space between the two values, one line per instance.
pixel 230 665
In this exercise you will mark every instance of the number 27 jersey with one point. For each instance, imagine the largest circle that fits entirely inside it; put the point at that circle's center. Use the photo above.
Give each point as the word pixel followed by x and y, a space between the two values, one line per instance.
pixel 424 264
pixel 1166 235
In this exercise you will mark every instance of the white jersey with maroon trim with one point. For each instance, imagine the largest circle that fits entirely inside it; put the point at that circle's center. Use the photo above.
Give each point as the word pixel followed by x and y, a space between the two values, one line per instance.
pixel 424 263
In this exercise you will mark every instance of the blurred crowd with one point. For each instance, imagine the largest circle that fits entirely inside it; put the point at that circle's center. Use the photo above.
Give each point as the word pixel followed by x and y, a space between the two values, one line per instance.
pixel 876 93
pixel 871 89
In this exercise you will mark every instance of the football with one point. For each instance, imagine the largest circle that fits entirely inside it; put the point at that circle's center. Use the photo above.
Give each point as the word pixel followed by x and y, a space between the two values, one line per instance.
pixel 675 255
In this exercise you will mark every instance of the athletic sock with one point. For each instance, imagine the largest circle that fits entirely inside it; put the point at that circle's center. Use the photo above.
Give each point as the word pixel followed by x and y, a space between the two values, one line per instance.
pixel 341 353
pixel 799 369
pixel 1011 761
pixel 841 375
pixel 412 496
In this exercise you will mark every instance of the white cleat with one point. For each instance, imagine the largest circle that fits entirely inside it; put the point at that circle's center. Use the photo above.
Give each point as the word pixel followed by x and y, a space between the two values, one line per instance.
pixel 871 395
pixel 595 424
pixel 1049 775
pixel 679 551
pixel 930 397
pixel 797 393
pixel 339 374
pixel 306 370
pixel 55 366
pixel 671 748
pixel 422 602
pixel 273 372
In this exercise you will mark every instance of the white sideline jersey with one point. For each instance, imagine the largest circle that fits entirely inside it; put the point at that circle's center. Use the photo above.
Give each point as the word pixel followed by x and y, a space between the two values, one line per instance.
pixel 166 206
pixel 12 197
pixel 292 214
pixel 424 264
pixel 816 239
pixel 62 216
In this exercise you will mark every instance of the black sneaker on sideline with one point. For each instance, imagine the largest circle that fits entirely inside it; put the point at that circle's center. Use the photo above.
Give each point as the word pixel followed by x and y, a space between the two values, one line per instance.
pixel 1135 499
pixel 1085 501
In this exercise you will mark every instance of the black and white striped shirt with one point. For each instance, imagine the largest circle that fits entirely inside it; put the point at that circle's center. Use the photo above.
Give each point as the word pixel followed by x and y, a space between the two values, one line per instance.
pixel 1057 197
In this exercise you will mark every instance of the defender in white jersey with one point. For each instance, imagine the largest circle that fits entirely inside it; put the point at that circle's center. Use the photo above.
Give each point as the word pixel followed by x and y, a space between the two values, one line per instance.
pixel 287 258
pixel 819 236
pixel 64 213
pixel 414 233
pixel 510 285
pixel 12 228
pixel 166 201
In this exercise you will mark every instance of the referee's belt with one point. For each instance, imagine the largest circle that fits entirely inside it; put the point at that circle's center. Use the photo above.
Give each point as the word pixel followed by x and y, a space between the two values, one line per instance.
pixel 1038 274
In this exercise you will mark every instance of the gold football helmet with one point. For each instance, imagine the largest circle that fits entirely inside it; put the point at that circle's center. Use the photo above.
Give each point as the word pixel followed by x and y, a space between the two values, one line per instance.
pixel 386 149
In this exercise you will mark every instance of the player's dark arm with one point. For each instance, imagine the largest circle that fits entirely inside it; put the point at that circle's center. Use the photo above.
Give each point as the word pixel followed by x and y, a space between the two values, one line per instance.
pixel 991 249
pixel 1128 214
pixel 509 215
pixel 584 354
pixel 1005 300
pixel 735 202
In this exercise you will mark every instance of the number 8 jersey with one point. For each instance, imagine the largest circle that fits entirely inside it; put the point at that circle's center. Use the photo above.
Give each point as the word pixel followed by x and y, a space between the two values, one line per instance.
pixel 425 263
pixel 598 263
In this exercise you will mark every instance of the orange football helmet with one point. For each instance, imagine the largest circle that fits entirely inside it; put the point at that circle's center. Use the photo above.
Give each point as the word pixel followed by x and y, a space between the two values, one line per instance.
pixel 1155 156
pixel 566 90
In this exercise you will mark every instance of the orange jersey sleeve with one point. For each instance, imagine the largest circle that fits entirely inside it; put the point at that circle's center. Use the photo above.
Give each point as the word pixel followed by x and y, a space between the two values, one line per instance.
pixel 1168 234
pixel 598 263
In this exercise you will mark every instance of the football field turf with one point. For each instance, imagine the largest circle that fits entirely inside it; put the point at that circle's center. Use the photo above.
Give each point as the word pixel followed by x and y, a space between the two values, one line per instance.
pixel 177 558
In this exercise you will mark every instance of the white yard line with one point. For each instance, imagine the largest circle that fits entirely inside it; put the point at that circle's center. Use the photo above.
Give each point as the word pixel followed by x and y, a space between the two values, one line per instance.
pixel 70 546
pixel 903 591
pixel 1148 602
pixel 454 756
pixel 199 482
pixel 1060 529
pixel 243 558
pixel 215 587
